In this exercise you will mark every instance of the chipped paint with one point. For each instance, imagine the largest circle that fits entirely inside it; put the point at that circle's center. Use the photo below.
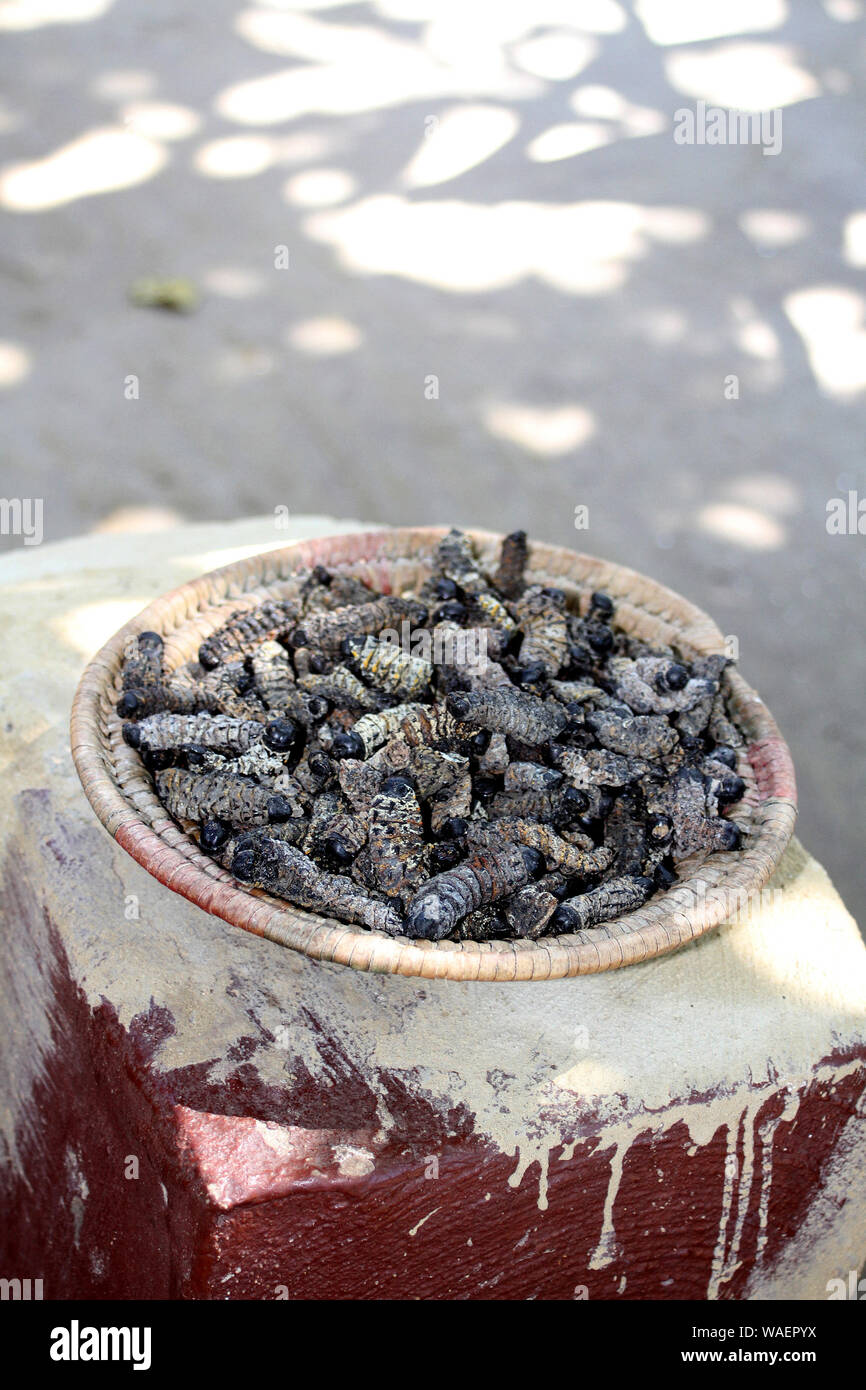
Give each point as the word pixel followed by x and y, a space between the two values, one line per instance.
pixel 353 1162
pixel 79 1191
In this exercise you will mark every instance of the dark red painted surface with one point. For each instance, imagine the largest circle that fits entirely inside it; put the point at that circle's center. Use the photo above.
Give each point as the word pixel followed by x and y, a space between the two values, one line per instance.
pixel 269 1227
pixel 115 1241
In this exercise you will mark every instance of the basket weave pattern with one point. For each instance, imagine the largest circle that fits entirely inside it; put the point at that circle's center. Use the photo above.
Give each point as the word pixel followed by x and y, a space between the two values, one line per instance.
pixel 709 890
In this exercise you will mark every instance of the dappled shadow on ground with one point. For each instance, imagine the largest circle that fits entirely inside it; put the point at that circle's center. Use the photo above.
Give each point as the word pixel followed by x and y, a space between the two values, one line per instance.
pixel 454 264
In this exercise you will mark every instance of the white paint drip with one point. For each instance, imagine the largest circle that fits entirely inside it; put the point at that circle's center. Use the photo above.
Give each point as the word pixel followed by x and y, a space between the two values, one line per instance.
pixel 738 1117
pixel 730 1185
pixel 606 1250
pixel 822 1248
pixel 767 1134
pixel 723 1269
pixel 416 1228
pixel 525 1159
pixel 738 1191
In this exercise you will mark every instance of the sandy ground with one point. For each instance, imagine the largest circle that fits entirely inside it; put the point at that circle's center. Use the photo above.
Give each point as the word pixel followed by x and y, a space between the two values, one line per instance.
pixel 455 265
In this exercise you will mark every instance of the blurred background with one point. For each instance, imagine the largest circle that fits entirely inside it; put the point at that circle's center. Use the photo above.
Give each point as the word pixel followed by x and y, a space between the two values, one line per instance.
pixel 452 262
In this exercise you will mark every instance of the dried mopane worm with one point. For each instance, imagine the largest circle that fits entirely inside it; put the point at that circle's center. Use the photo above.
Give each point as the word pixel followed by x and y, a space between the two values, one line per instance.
pixel 273 676
pixel 218 732
pixel 142 661
pixel 599 767
pixel 453 802
pixel 722 729
pixel 535 804
pixel 697 827
pixel 638 736
pixel 326 590
pixel 227 689
pixel 386 666
pixel 439 905
pixel 524 717
pixel 558 853
pixel 396 838
pixel 481 758
pixel 602 904
pixel 657 685
pixel 434 772
pixel 484 924
pixel 528 911
pixel 219 796
pixel 491 611
pixel 185 693
pixel 287 872
pixel 520 777
pixel 513 557
pixel 342 687
pixel 466 656
pixel 246 629
pixel 541 615
pixel 328 631
pixel 497 758
pixel 456 562
pixel 414 723
pixel 142 677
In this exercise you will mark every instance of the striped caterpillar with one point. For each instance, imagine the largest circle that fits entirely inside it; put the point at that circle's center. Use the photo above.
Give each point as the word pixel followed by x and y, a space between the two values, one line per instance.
pixel 541 615
pixel 396 840
pixel 281 869
pixel 524 717
pixel 601 904
pixel 327 631
pixel 218 796
pixel 389 668
pixel 570 859
pixel 438 906
pixel 246 629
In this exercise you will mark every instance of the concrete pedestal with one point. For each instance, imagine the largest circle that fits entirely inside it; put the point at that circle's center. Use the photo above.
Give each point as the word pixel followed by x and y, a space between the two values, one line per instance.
pixel 189 1111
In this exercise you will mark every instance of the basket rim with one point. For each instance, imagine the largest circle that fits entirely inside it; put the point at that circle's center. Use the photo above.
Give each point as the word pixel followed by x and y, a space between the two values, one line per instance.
pixel 698 903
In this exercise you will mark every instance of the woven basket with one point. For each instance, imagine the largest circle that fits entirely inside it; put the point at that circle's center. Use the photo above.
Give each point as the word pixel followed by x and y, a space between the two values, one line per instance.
pixel 709 891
